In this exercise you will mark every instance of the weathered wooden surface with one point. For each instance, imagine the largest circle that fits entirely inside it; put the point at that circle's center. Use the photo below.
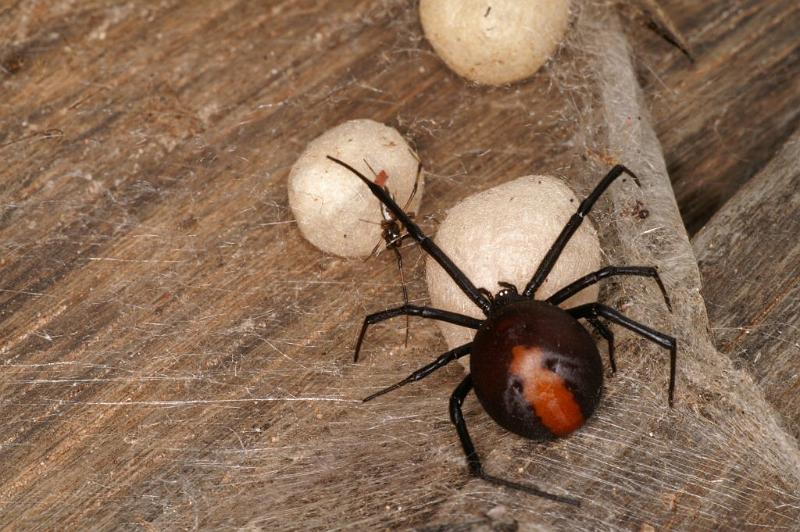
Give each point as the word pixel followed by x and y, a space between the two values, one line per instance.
pixel 176 355
pixel 749 254
pixel 721 120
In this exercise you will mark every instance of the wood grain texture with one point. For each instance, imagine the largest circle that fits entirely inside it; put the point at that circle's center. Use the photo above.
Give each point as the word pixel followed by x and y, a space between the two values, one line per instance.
pixel 722 119
pixel 749 254
pixel 175 355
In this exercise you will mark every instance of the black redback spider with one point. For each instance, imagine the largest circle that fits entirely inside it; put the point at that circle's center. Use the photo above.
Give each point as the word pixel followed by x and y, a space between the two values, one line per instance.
pixel 392 235
pixel 535 370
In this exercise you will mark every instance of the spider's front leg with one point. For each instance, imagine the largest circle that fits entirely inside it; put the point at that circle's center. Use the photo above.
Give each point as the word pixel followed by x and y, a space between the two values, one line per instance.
pixel 424 240
pixel 571 227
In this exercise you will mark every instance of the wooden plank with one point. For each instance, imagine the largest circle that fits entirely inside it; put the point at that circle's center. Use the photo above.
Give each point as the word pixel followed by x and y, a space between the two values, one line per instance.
pixel 722 119
pixel 749 254
pixel 176 355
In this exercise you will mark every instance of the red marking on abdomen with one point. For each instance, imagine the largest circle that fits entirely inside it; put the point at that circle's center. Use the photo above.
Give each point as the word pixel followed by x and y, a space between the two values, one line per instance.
pixel 381 178
pixel 546 391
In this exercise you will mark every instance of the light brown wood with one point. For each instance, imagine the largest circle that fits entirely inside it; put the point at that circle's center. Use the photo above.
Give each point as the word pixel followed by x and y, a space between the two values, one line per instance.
pixel 175 355
pixel 749 254
pixel 722 119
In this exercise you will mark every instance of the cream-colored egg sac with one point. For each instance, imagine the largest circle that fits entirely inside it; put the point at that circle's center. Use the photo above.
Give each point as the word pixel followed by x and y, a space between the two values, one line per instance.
pixel 502 234
pixel 494 41
pixel 334 210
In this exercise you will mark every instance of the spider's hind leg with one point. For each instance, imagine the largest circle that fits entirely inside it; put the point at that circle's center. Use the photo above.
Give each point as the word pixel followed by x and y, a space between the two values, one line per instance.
pixel 474 462
pixel 664 340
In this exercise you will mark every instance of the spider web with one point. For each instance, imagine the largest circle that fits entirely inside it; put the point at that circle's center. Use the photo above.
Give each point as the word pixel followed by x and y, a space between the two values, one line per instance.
pixel 217 387
pixel 396 461
pixel 712 459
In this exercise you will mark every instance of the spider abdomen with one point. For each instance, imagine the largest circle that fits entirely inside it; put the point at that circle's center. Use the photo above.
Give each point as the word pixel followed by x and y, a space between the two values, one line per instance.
pixel 536 370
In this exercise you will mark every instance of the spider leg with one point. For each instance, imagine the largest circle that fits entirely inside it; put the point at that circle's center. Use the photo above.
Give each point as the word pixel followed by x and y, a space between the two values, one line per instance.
pixel 374 252
pixel 424 241
pixel 574 222
pixel 590 279
pixel 424 371
pixel 606 333
pixel 474 462
pixel 412 310
pixel 396 241
pixel 414 190
pixel 666 341
pixel 399 257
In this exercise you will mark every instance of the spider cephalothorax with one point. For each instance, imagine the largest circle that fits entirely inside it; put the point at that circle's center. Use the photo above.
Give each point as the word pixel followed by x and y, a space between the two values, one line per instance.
pixel 508 293
pixel 534 367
